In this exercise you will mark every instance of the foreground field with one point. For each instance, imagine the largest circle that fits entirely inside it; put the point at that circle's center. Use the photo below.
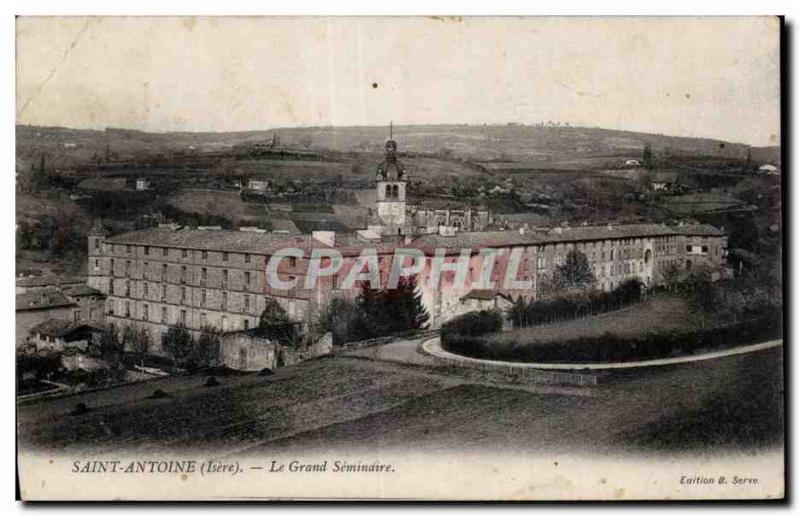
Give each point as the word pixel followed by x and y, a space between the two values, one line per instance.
pixel 730 405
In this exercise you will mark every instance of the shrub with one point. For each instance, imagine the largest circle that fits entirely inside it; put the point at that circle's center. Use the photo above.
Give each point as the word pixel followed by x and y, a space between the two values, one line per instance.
pixel 471 325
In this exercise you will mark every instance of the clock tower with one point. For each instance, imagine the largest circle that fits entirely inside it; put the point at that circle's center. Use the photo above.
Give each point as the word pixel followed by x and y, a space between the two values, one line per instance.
pixel 391 183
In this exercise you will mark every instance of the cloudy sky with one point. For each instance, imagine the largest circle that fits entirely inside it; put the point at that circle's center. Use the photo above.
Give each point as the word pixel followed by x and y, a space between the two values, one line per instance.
pixel 712 77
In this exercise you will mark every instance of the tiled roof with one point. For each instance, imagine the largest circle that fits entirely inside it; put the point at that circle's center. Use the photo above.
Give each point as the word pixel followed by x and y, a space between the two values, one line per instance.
pixel 43 299
pixel 43 281
pixel 222 240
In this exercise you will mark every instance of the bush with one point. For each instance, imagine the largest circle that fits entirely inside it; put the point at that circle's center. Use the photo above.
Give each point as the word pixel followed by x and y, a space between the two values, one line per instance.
pixel 472 324
pixel 610 348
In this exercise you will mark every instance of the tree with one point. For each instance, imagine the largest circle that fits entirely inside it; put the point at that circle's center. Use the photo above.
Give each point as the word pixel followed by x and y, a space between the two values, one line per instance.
pixel 409 303
pixel 388 311
pixel 647 156
pixel 275 323
pixel 671 277
pixel 206 351
pixel 343 319
pixel 575 273
pixel 141 345
pixel 178 342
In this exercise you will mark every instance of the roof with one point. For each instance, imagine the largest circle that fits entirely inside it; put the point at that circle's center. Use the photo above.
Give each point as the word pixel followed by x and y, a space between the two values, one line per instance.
pixel 485 295
pixel 464 240
pixel 49 280
pixel 42 299
pixel 223 240
pixel 61 327
pixel 81 290
pixel 699 230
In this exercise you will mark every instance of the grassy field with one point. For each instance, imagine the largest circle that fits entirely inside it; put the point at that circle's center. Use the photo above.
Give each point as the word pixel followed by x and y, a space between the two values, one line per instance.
pixel 223 204
pixel 654 315
pixel 354 404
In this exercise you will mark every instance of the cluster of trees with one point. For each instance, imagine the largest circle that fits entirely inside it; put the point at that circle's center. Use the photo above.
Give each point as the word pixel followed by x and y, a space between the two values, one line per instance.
pixel 190 353
pixel 374 313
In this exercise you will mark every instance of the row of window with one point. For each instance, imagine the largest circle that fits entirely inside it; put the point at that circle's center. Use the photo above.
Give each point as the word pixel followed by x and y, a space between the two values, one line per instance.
pixel 184 297
pixel 184 276
pixel 166 251
pixel 182 317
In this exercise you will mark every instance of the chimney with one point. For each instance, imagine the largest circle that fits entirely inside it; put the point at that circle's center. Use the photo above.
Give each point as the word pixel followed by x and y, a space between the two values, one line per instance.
pixel 326 237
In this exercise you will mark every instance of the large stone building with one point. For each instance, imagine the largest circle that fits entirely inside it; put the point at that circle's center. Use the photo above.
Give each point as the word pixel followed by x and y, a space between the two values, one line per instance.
pixel 166 276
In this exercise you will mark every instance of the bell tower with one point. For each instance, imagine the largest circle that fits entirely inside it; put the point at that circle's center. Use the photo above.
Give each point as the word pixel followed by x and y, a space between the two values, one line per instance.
pixel 391 183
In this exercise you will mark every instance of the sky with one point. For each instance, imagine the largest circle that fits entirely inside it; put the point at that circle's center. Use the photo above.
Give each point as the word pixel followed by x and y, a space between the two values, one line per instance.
pixel 698 77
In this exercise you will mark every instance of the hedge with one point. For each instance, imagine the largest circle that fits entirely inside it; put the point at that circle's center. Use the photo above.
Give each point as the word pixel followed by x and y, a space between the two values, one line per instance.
pixel 533 313
pixel 611 348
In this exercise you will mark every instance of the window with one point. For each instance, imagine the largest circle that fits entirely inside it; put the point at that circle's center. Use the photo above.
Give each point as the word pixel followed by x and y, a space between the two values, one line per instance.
pixel 225 278
pixel 688 249
pixel 97 264
pixel 163 292
pixel 203 297
pixel 246 324
pixel 127 267
pixel 247 258
pixel 112 287
pixel 128 249
pixel 183 317
pixel 127 288
pixel 246 303
pixel 184 253
pixel 183 294
pixel 112 266
pixel 247 281
pixel 224 300
pixel 205 255
pixel 705 249
pixel 203 272
pixel 145 312
pixel 144 270
pixel 147 250
pixel 224 257
pixel 163 314
pixel 224 323
pixel 164 272
pixel 164 252
pixel 97 243
pixel 292 261
pixel 146 289
pixel 335 281
pixel 77 315
pixel 127 309
pixel 183 274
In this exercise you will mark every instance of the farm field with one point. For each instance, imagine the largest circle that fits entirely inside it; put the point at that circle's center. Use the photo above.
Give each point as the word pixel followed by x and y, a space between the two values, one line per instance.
pixel 357 404
pixel 653 315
